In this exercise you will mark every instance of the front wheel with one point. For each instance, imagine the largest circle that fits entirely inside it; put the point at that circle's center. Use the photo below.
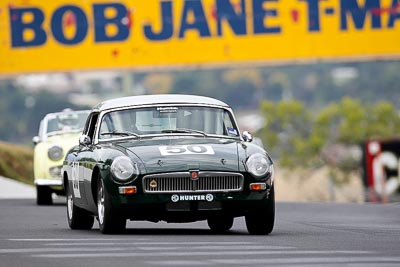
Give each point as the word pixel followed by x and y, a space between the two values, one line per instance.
pixel 77 217
pixel 109 221
pixel 220 224
pixel 43 195
pixel 261 221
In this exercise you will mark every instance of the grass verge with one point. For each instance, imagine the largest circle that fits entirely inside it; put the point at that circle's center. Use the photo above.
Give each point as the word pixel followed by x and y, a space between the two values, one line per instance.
pixel 16 162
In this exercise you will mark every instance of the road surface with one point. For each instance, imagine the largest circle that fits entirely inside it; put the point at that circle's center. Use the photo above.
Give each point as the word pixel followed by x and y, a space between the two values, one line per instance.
pixel 306 234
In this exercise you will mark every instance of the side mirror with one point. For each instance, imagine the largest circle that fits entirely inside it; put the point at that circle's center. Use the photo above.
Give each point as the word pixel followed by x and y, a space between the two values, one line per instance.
pixel 36 140
pixel 84 140
pixel 247 137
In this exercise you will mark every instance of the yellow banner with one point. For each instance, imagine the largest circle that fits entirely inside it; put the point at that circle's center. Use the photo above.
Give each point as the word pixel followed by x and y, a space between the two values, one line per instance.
pixel 63 35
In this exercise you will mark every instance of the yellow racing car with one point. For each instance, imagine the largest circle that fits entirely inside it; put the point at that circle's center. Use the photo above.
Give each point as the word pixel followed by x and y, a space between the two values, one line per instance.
pixel 58 133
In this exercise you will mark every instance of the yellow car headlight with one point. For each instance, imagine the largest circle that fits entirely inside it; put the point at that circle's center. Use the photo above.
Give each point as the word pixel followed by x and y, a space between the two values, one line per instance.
pixel 55 153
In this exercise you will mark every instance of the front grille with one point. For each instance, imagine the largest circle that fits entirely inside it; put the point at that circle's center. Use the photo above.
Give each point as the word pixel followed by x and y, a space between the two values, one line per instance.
pixel 55 172
pixel 181 182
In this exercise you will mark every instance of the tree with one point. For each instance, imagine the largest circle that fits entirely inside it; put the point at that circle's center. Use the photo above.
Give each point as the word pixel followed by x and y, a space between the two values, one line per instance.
pixel 299 139
pixel 288 127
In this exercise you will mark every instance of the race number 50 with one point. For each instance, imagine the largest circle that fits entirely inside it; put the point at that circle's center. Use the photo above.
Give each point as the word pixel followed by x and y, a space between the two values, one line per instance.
pixel 182 150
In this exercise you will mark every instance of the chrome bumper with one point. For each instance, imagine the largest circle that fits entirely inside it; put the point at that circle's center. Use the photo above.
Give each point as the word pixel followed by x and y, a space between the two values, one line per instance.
pixel 48 182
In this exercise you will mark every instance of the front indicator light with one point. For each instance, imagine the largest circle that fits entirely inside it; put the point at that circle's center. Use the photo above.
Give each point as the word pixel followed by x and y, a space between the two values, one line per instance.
pixel 258 186
pixel 127 190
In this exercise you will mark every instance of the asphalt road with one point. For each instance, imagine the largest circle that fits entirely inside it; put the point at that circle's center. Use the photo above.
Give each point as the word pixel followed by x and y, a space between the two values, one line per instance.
pixel 306 234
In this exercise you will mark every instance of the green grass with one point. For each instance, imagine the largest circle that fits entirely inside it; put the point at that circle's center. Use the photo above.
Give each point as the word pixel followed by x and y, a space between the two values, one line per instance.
pixel 16 162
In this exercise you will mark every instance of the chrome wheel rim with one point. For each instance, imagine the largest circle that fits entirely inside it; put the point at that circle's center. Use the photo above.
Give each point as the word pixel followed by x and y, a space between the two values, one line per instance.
pixel 100 205
pixel 70 204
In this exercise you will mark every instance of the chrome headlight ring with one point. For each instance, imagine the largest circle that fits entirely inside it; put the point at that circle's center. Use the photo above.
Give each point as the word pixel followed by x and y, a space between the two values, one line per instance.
pixel 123 169
pixel 260 166
pixel 55 153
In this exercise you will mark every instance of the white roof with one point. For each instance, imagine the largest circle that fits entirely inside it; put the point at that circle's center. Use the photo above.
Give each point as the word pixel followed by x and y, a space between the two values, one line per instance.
pixel 158 99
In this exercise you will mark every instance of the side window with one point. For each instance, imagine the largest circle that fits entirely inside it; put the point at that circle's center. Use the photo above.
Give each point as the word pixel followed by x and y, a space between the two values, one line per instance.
pixel 230 128
pixel 52 125
pixel 227 120
pixel 106 126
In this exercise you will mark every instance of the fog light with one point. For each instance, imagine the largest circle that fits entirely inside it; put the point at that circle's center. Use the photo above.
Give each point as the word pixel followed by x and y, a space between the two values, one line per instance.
pixel 127 190
pixel 258 186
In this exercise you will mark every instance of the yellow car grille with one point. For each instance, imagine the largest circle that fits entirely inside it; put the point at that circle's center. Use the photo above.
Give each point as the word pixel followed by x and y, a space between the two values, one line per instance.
pixel 55 172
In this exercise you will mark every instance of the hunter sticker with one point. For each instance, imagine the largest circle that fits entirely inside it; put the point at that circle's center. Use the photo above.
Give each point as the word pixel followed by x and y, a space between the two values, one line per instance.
pixel 176 198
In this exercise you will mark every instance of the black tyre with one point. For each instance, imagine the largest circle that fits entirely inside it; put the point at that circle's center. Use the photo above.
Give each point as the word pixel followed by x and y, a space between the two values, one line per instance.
pixel 109 221
pixel 261 221
pixel 43 195
pixel 220 224
pixel 77 217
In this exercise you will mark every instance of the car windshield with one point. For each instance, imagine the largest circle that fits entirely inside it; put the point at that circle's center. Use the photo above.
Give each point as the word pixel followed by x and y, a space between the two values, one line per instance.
pixel 193 120
pixel 58 123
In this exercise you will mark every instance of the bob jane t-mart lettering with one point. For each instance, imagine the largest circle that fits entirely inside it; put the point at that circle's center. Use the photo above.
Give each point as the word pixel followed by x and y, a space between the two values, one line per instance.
pixel 113 21
pixel 142 34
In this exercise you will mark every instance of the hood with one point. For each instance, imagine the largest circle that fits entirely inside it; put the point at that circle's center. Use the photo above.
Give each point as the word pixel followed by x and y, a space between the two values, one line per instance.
pixel 184 154
pixel 66 140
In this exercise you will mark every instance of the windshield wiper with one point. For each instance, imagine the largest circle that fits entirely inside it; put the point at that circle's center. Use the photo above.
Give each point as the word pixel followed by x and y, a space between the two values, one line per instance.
pixel 183 130
pixel 124 133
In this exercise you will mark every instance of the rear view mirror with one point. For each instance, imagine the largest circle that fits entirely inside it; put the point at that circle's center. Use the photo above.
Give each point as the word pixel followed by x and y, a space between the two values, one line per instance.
pixel 248 137
pixel 84 140
pixel 36 140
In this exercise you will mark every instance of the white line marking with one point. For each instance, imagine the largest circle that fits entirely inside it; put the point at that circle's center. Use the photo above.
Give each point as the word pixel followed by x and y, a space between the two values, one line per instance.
pixel 177 244
pixel 205 247
pixel 74 242
pixel 303 260
pixel 181 263
pixel 198 253
pixel 297 261
pixel 37 250
pixel 69 239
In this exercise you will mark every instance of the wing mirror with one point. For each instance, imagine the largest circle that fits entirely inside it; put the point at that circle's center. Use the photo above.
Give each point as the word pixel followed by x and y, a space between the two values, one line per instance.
pixel 84 140
pixel 36 140
pixel 247 137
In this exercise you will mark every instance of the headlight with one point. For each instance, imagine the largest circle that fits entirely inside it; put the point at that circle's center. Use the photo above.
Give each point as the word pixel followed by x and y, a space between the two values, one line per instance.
pixel 123 169
pixel 259 166
pixel 55 153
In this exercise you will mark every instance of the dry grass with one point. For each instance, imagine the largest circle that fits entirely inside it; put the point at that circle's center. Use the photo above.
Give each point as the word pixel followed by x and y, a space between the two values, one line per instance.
pixel 316 185
pixel 16 162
